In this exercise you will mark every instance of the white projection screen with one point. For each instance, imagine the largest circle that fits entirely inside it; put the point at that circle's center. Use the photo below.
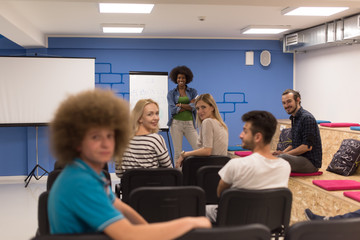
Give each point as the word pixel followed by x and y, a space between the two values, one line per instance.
pixel 31 88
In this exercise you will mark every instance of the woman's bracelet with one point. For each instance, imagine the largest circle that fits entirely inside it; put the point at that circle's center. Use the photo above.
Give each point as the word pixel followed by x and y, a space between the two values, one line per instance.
pixel 182 153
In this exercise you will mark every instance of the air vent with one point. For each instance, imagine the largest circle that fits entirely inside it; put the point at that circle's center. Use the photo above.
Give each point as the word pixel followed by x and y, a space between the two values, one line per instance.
pixel 292 39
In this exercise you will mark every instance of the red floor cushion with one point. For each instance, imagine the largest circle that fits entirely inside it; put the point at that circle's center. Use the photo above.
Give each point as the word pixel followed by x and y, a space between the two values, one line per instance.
pixel 243 153
pixel 333 185
pixel 353 195
pixel 295 174
pixel 339 124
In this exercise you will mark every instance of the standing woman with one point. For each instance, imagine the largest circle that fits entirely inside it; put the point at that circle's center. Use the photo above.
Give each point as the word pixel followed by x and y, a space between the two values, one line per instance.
pixel 182 109
pixel 146 149
pixel 214 136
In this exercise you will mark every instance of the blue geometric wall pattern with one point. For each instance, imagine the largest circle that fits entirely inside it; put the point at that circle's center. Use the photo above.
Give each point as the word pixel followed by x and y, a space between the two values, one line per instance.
pixel 230 99
pixel 105 78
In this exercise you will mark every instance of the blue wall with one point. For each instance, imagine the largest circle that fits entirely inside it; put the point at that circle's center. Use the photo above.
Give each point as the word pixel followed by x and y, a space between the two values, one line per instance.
pixel 218 66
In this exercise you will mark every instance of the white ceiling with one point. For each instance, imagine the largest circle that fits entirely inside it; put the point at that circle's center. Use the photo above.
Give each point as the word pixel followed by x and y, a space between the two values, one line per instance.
pixel 29 22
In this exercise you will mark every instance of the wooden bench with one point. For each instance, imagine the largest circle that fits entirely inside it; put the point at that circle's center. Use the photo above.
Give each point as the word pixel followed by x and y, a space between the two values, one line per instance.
pixel 307 195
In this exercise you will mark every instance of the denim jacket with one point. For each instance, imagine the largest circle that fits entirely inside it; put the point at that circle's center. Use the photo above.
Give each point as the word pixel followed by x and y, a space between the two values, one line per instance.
pixel 173 98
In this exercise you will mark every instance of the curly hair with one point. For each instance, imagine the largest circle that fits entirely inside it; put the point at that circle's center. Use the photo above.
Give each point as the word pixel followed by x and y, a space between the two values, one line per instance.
pixel 181 70
pixel 83 111
pixel 207 98
pixel 137 113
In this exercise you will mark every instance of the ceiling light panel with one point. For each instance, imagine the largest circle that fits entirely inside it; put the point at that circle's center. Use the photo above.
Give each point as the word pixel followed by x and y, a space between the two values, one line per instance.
pixel 123 28
pixel 264 29
pixel 313 11
pixel 125 8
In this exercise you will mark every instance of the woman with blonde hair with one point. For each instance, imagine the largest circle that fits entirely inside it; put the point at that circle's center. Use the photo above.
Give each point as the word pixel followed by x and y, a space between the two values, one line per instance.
pixel 213 136
pixel 147 149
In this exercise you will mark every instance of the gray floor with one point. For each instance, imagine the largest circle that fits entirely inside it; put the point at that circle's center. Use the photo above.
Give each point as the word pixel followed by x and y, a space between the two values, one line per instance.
pixel 18 206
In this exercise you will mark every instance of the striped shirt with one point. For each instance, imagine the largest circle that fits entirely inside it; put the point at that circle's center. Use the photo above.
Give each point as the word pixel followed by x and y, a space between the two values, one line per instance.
pixel 145 151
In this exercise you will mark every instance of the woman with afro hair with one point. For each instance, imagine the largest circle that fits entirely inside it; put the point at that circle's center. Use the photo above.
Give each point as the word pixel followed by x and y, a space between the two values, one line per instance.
pixel 182 109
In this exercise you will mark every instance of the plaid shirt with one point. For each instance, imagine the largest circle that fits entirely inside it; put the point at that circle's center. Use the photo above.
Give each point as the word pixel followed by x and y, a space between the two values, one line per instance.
pixel 304 130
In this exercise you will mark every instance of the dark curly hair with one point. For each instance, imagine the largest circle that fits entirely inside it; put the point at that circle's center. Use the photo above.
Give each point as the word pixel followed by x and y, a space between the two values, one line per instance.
pixel 181 70
pixel 80 112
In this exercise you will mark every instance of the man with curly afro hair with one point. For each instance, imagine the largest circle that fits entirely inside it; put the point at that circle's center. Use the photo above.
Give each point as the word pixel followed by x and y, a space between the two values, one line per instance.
pixel 182 109
pixel 88 130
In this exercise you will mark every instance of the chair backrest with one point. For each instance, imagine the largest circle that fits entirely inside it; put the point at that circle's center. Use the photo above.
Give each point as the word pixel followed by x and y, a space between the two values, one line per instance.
pixel 43 220
pixel 330 230
pixel 158 204
pixel 208 179
pixel 51 178
pixel 271 207
pixel 248 232
pixel 82 236
pixel 148 177
pixel 56 172
pixel 192 163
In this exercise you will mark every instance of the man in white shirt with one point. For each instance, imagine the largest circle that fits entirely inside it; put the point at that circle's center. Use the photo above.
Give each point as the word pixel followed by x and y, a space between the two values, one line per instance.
pixel 260 170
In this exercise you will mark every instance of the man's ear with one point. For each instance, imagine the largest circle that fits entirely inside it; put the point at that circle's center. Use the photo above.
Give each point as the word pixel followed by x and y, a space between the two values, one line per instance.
pixel 258 137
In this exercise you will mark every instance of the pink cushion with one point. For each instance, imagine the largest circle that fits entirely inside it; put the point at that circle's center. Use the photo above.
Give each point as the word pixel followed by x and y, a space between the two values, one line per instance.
pixel 353 195
pixel 243 153
pixel 333 185
pixel 339 124
pixel 295 174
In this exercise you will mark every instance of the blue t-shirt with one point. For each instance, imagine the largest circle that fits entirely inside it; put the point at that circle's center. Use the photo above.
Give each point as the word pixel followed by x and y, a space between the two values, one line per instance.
pixel 81 201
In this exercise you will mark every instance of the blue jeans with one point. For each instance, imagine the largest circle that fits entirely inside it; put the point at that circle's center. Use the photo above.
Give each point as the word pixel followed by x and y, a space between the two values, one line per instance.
pixel 354 214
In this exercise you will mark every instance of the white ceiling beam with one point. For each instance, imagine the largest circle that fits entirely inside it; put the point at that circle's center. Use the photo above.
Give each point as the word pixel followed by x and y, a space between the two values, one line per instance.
pixel 19 30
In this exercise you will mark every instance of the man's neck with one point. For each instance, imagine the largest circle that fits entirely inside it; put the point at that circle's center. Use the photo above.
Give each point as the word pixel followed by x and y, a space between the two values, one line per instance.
pixel 264 150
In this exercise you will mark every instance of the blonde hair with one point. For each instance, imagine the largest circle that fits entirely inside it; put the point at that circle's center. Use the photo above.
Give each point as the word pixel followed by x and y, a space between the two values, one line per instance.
pixel 86 110
pixel 207 98
pixel 137 113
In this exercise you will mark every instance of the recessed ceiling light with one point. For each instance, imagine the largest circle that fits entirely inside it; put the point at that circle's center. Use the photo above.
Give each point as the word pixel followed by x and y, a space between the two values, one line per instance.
pixel 119 28
pixel 312 11
pixel 125 8
pixel 264 29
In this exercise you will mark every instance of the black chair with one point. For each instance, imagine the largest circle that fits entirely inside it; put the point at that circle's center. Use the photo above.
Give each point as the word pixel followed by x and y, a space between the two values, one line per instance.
pixel 208 179
pixel 84 236
pixel 43 220
pixel 271 207
pixel 342 229
pixel 158 204
pixel 192 163
pixel 51 178
pixel 147 177
pixel 248 232
pixel 56 172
